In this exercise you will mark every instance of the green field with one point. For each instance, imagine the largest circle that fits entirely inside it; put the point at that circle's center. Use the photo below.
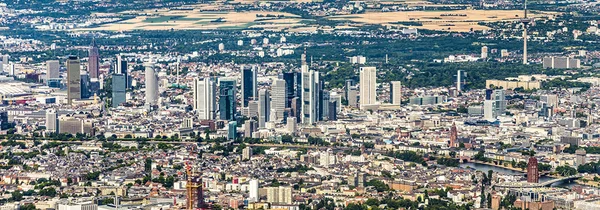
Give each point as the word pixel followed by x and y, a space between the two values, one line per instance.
pixel 161 19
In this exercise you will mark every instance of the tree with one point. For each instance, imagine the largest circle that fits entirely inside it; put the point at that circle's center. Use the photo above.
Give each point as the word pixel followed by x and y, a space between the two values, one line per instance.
pixel 28 206
pixel 378 185
pixel 372 202
pixel 148 166
pixel 522 165
pixel 17 195
pixel 566 170
pixel 287 139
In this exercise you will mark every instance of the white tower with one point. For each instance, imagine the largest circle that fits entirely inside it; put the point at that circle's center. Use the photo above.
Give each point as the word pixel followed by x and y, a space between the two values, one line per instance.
pixel 51 120
pixel 525 22
pixel 204 98
pixel 278 102
pixel 151 84
pixel 458 81
pixel 52 69
pixel 368 86
pixel 396 92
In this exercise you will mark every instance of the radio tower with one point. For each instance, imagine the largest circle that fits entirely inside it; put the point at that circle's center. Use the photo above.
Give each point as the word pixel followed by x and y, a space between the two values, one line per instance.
pixel 525 22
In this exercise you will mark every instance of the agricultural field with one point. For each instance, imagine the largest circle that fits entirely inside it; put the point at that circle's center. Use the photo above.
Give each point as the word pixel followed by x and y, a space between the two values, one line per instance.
pixel 457 20
pixel 202 20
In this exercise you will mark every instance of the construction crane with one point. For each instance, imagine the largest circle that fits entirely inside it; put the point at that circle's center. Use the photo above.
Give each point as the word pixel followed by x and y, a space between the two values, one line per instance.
pixel 195 195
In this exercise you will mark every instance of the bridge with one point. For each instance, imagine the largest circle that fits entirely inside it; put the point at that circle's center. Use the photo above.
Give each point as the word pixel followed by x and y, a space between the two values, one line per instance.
pixel 537 185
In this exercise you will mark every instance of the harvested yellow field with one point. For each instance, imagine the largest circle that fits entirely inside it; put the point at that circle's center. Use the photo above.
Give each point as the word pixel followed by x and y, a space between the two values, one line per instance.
pixel 458 20
pixel 200 19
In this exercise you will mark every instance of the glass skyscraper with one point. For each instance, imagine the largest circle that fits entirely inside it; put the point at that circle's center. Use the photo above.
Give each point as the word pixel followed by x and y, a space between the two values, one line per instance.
pixel 227 108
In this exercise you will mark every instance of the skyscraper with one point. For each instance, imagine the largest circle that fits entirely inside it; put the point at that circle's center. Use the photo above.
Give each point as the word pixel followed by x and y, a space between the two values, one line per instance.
pixel 279 100
pixel 52 69
pixel 73 79
pixel 118 89
pixel 494 104
pixel 533 175
pixel 204 98
pixel 151 85
pixel 247 155
pixel 51 121
pixel 323 104
pixel 332 110
pixel 310 97
pixel 249 128
pixel 121 68
pixel 253 190
pixel 290 87
pixel 232 130
pixel 396 92
pixel 349 83
pixel 352 96
pixel 248 85
pixel 86 86
pixel 93 60
pixel 264 108
pixel 580 157
pixel 227 99
pixel 368 86
pixel 459 80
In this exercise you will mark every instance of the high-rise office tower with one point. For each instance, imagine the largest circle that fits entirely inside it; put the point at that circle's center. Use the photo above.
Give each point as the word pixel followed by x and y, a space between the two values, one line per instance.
pixel 232 130
pixel 396 92
pixel 459 80
pixel 291 124
pixel 368 86
pixel 332 111
pixel 323 104
pixel 249 128
pixel 93 60
pixel 352 96
pixel 204 98
pixel 279 100
pixel 121 68
pixel 253 190
pixel 290 87
pixel 247 155
pixel 227 99
pixel 248 85
pixel 52 69
pixel 533 175
pixel 151 85
pixel 349 83
pixel 264 108
pixel 51 121
pixel 484 52
pixel 580 156
pixel 119 84
pixel 337 98
pixel 297 101
pixel 86 85
pixel 252 109
pixel 310 97
pixel 73 79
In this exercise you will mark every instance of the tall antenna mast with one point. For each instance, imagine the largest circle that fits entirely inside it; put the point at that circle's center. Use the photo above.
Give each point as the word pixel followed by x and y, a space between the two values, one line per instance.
pixel 525 22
